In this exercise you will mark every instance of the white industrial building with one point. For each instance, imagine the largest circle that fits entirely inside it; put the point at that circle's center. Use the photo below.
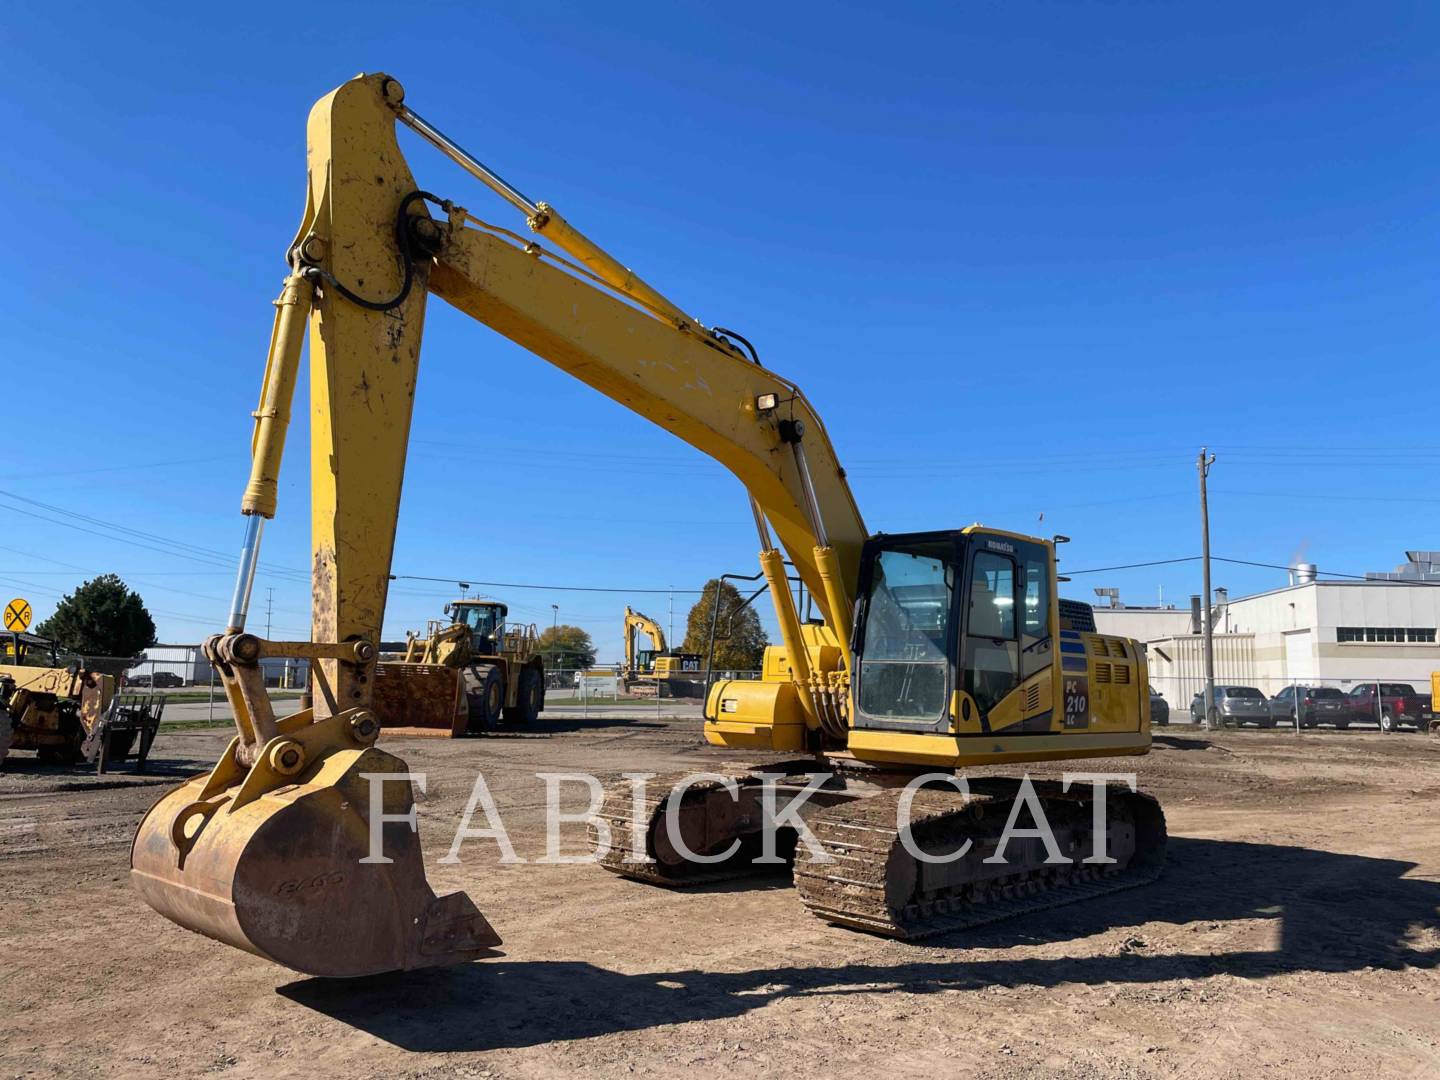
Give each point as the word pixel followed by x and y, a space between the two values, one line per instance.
pixel 184 661
pixel 188 662
pixel 1312 632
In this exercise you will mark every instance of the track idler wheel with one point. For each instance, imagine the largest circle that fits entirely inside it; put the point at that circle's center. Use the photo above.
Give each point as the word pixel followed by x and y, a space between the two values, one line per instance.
pixel 275 864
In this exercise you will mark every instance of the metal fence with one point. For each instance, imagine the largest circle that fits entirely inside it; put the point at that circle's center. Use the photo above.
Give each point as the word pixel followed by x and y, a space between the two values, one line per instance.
pixel 603 685
pixel 180 667
pixel 1333 702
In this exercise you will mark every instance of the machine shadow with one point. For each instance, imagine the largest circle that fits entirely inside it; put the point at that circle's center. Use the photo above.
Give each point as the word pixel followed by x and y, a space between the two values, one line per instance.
pixel 121 774
pixel 1181 742
pixel 1336 912
pixel 546 726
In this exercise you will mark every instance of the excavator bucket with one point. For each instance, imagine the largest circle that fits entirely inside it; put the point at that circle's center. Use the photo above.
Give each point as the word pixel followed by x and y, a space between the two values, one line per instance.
pixel 285 870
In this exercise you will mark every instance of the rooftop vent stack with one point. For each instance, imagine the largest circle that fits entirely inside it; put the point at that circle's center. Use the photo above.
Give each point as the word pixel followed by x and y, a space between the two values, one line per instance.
pixel 1195 622
pixel 1303 573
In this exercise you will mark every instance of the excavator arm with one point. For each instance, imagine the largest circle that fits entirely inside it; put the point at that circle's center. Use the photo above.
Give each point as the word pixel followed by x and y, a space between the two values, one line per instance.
pixel 273 850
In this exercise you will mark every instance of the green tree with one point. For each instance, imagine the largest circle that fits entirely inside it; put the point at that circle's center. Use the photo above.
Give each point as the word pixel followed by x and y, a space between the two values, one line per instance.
pixel 566 648
pixel 103 617
pixel 744 648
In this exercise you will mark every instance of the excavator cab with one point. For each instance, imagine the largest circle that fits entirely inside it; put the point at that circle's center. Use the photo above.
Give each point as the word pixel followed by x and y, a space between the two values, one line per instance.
pixel 958 637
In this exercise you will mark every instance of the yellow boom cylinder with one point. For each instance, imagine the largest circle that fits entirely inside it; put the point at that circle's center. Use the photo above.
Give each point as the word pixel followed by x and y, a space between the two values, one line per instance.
pixel 277 391
pixel 841 614
pixel 772 564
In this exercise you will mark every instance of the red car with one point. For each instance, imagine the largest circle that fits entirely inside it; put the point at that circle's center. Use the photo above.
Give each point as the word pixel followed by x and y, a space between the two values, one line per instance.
pixel 1399 704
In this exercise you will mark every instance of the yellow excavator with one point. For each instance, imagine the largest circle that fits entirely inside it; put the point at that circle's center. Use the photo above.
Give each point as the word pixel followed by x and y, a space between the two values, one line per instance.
pixel 657 670
pixel 934 651
pixel 640 662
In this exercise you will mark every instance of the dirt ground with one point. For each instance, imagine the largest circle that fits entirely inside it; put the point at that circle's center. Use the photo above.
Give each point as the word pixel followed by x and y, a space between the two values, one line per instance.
pixel 1296 932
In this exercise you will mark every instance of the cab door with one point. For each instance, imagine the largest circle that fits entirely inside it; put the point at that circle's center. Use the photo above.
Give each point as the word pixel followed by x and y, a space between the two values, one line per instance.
pixel 990 653
pixel 1007 652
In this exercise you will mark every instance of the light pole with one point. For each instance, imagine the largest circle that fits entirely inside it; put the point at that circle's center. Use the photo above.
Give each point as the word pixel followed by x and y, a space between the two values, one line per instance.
pixel 1203 463
pixel 554 617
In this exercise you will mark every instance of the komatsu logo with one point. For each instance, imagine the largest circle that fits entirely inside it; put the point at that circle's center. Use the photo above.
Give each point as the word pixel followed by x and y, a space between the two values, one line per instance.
pixel 1001 545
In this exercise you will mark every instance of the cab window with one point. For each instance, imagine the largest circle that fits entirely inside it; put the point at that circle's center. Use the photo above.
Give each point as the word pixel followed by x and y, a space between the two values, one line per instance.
pixel 904 668
pixel 992 653
pixel 1035 628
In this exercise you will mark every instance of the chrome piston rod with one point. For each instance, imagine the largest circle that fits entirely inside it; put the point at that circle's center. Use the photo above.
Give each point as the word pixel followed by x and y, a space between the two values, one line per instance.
pixel 245 575
pixel 467 161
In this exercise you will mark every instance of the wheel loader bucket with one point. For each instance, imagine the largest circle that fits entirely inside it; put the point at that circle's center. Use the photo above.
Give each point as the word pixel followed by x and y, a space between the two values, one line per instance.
pixel 285 870
pixel 421 699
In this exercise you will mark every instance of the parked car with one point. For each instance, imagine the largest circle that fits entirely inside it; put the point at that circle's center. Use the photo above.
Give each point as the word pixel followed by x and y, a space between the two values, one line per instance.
pixel 1399 704
pixel 1159 709
pixel 1235 705
pixel 166 678
pixel 1318 704
pixel 137 680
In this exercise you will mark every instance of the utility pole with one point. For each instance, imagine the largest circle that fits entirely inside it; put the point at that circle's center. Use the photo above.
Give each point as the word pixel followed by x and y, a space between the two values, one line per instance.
pixel 672 620
pixel 1202 464
pixel 269 608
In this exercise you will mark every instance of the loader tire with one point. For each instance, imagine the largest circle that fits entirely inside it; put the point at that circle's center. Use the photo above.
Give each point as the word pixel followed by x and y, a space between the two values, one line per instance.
pixel 529 698
pixel 71 751
pixel 485 692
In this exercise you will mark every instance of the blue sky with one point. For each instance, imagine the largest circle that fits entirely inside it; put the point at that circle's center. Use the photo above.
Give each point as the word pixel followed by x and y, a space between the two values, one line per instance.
pixel 1025 258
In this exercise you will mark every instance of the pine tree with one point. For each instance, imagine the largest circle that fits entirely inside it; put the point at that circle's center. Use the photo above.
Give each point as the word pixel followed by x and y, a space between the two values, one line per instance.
pixel 103 617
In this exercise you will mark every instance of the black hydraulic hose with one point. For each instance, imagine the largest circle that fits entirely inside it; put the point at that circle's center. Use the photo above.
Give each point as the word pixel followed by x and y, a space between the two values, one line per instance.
pixel 405 243
pixel 755 356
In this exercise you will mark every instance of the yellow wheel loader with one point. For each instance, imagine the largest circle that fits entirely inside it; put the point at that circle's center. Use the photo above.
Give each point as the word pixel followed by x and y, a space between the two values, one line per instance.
pixel 935 651
pixel 465 676
pixel 67 713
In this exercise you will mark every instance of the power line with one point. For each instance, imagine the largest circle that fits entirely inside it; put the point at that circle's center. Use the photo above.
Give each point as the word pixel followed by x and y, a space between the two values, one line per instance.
pixel 546 588
pixel 1329 573
pixel 1133 565
pixel 89 469
pixel 136 537
pixel 1250 562
pixel 1307 496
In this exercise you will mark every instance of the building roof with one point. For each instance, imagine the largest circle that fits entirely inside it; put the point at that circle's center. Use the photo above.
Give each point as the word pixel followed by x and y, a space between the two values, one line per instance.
pixel 1367 583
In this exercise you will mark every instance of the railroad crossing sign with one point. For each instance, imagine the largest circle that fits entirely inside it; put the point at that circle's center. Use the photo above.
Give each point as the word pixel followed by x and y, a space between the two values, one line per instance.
pixel 17 615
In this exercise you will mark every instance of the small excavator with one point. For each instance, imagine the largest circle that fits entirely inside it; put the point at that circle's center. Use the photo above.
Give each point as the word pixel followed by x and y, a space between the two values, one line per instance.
pixel 934 651
pixel 657 670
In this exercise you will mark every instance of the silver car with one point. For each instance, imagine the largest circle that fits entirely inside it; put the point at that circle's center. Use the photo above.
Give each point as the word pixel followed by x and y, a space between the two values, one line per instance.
pixel 1317 705
pixel 1235 705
